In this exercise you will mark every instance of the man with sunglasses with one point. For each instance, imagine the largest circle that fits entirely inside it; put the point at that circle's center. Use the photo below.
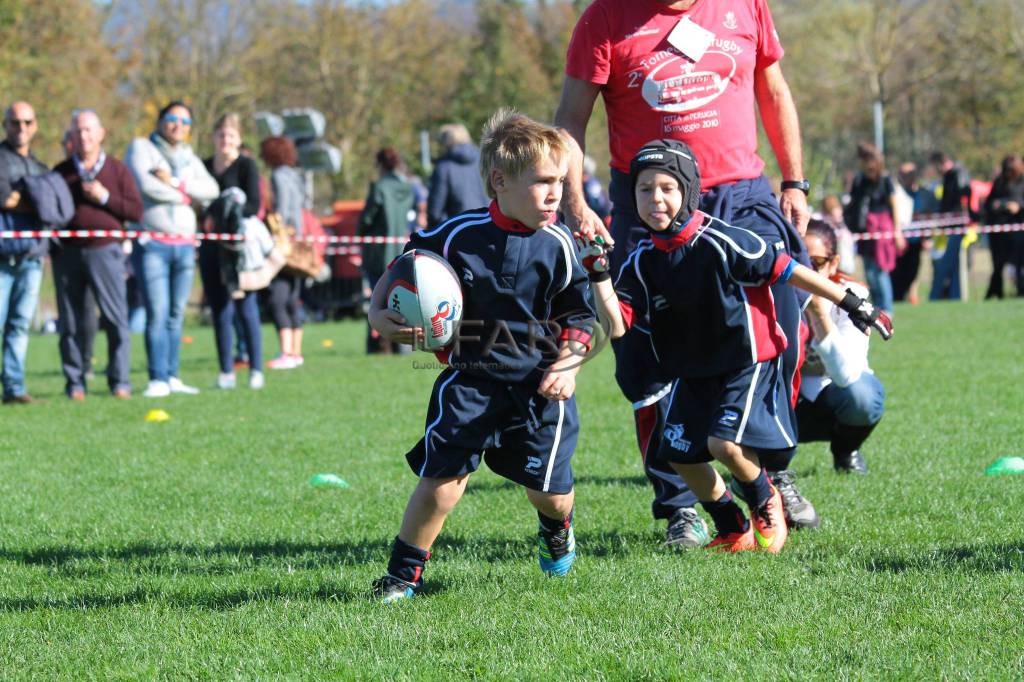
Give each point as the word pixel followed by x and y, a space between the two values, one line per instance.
pixel 21 266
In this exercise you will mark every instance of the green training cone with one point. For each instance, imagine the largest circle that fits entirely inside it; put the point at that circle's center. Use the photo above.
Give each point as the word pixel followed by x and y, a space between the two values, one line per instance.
pixel 1006 465
pixel 328 481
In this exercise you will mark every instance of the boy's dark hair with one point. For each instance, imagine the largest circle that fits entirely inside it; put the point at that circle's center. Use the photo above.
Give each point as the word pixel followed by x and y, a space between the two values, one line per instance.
pixel 388 159
pixel 938 157
pixel 678 160
pixel 824 232
pixel 172 104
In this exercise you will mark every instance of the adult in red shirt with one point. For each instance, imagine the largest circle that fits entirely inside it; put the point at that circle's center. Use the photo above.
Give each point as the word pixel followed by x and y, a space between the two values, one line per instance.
pixel 690 70
pixel 105 197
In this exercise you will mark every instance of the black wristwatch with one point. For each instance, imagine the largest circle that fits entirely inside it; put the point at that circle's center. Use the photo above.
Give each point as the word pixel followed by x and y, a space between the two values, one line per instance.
pixel 802 185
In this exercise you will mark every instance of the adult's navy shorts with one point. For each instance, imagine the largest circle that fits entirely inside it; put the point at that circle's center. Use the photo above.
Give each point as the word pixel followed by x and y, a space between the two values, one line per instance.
pixel 747 407
pixel 520 434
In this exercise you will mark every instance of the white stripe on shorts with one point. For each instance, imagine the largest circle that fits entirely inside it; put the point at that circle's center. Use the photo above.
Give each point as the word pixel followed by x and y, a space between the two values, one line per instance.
pixel 554 448
pixel 750 401
pixel 440 413
pixel 789 441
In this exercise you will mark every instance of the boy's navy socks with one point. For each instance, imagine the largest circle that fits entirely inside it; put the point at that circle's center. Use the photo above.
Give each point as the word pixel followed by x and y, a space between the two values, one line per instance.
pixel 407 562
pixel 727 515
pixel 554 525
pixel 758 491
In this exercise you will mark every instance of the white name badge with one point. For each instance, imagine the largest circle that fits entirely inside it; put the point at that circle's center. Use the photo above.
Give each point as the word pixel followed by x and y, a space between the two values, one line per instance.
pixel 691 39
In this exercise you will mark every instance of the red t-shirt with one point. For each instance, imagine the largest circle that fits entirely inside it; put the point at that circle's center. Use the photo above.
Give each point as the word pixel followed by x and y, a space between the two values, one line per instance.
pixel 652 91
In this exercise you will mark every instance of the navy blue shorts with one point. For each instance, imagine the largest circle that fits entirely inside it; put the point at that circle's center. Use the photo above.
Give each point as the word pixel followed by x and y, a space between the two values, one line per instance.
pixel 747 407
pixel 521 435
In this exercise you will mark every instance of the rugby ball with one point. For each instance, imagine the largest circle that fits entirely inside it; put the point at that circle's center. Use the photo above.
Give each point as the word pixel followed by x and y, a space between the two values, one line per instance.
pixel 424 289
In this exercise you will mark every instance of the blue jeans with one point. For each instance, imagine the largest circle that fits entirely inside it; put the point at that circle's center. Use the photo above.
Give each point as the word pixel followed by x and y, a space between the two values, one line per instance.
pixel 19 294
pixel 165 273
pixel 879 284
pixel 946 281
pixel 862 403
pixel 230 314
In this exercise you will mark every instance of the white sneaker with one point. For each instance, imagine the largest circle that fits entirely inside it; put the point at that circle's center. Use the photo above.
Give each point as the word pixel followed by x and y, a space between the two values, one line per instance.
pixel 178 386
pixel 282 362
pixel 226 381
pixel 255 380
pixel 157 389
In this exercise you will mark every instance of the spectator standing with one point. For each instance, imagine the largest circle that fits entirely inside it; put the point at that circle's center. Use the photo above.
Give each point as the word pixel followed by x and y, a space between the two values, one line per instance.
pixel 832 213
pixel 841 400
pixel 288 196
pixel 21 259
pixel 873 212
pixel 652 88
pixel 1004 206
pixel 956 198
pixel 232 169
pixel 455 185
pixel 385 214
pixel 908 264
pixel 171 178
pixel 106 197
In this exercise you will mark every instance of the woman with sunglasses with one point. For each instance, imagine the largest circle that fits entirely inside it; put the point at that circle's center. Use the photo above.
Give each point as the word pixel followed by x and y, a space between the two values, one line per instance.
pixel 841 400
pixel 172 180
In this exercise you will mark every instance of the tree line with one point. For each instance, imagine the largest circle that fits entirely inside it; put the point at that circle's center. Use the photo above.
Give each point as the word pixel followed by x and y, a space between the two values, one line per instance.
pixel 382 72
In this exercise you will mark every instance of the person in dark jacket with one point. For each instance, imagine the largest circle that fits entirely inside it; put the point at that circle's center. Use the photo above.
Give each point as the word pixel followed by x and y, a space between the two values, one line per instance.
pixel 956 198
pixel 230 168
pixel 21 258
pixel 1005 206
pixel 456 185
pixel 386 214
pixel 105 197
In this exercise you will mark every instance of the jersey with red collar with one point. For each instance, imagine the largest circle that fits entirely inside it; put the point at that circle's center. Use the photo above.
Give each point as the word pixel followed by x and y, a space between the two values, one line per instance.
pixel 706 294
pixel 524 291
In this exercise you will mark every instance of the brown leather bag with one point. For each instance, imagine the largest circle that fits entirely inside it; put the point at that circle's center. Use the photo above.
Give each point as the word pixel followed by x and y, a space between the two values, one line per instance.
pixel 300 258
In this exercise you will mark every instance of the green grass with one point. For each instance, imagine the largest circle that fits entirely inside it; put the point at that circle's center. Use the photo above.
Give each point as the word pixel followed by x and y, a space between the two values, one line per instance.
pixel 197 549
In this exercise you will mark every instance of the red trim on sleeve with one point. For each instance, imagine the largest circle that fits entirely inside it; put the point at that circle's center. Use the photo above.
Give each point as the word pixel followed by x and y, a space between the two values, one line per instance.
pixel 576 334
pixel 627 314
pixel 782 262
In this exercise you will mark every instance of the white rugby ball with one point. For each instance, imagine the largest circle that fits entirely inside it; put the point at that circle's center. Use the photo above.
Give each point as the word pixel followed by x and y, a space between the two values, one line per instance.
pixel 424 289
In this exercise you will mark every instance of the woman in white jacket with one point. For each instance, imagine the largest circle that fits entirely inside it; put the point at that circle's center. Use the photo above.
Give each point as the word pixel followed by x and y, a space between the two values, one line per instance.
pixel 841 400
pixel 171 179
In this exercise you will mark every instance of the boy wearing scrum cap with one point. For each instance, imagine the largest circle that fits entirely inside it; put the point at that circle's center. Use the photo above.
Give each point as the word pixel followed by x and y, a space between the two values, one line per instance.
pixel 704 285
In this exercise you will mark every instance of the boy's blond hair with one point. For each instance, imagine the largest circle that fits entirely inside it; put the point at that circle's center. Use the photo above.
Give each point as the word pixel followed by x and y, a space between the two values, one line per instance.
pixel 513 142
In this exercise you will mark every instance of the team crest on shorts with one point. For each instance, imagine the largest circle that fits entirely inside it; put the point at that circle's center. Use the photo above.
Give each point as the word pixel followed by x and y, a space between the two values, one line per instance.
pixel 729 418
pixel 674 436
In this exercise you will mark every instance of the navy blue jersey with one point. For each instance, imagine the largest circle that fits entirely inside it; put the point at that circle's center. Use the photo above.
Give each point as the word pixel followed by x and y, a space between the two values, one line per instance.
pixel 706 294
pixel 524 292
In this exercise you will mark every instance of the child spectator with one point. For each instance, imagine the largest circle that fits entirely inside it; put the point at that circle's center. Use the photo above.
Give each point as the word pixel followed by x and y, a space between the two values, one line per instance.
pixel 510 404
pixel 704 286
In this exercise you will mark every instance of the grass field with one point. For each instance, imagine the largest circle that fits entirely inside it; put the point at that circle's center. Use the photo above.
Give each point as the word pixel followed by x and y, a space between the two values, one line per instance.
pixel 197 549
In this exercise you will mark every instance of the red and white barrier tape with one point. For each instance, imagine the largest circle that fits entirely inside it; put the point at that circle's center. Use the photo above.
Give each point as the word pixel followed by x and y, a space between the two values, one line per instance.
pixel 942 231
pixel 930 226
pixel 200 236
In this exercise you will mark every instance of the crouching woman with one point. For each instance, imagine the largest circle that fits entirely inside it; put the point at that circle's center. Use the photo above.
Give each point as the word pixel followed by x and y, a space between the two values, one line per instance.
pixel 841 400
